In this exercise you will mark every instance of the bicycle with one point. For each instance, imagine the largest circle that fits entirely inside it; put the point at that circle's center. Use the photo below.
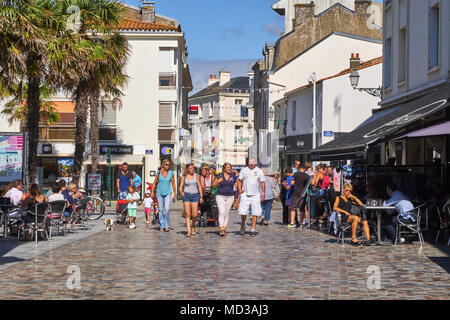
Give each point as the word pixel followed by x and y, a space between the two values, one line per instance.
pixel 95 208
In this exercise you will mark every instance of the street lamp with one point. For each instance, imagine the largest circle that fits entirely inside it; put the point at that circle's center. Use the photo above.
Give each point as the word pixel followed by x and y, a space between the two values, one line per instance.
pixel 312 80
pixel 354 80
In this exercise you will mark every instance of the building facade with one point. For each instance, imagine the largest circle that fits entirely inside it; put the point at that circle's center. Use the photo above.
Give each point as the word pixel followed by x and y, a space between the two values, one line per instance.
pixel 321 40
pixel 221 122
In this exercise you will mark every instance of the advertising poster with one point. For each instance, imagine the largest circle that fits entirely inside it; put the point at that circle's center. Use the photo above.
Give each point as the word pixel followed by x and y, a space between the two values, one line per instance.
pixel 65 167
pixel 11 158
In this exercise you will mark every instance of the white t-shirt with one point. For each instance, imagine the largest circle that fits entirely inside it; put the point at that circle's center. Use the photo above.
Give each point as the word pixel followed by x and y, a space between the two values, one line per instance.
pixel 15 195
pixel 148 202
pixel 55 197
pixel 251 180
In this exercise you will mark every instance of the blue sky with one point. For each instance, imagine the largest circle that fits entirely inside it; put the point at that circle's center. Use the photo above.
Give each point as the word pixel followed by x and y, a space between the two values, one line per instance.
pixel 223 29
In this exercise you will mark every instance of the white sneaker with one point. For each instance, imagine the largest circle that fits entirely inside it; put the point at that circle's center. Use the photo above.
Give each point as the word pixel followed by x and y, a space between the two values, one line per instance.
pixel 401 240
pixel 132 226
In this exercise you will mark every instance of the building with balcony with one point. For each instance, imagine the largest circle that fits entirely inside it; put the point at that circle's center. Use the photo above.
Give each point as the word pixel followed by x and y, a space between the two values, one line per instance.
pixel 221 121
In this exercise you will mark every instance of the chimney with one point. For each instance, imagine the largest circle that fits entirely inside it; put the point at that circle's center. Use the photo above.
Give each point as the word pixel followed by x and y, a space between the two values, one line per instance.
pixel 212 80
pixel 224 77
pixel 355 61
pixel 148 11
pixel 363 7
pixel 304 13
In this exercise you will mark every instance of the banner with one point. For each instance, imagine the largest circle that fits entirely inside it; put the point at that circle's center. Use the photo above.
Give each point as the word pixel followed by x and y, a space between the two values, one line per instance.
pixel 11 157
pixel 94 182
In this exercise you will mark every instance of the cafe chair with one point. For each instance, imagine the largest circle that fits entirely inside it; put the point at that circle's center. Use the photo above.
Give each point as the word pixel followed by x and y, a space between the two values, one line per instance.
pixel 38 213
pixel 55 216
pixel 413 228
pixel 444 222
pixel 79 214
pixel 344 226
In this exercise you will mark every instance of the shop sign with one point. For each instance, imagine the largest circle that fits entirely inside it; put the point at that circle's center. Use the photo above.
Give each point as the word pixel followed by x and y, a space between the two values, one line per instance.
pixel 166 151
pixel 116 149
pixel 328 133
pixel 94 182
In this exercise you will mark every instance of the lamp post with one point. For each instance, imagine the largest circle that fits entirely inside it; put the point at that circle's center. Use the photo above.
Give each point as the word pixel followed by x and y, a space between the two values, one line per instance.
pixel 354 80
pixel 312 80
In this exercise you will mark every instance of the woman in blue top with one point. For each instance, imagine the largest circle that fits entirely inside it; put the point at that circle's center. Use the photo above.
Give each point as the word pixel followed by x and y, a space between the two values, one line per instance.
pixel 164 193
pixel 225 195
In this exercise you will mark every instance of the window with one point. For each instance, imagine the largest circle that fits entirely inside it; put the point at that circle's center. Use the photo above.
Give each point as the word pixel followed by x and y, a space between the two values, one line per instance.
pixel 388 64
pixel 166 59
pixel 166 115
pixel 107 134
pixel 210 109
pixel 165 135
pixel 433 37
pixel 167 80
pixel 237 106
pixel 402 57
pixel 294 116
pixel 239 135
pixel 107 115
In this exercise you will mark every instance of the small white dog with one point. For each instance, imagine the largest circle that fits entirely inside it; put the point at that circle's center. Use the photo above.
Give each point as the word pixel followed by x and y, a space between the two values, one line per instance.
pixel 109 225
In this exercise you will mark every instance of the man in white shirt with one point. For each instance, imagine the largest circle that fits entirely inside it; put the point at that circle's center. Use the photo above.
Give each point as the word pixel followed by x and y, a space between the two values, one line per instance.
pixel 16 196
pixel 252 189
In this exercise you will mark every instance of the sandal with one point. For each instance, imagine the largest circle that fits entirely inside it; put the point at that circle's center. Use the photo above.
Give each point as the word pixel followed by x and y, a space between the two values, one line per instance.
pixel 221 233
pixel 193 231
pixel 356 243
pixel 188 236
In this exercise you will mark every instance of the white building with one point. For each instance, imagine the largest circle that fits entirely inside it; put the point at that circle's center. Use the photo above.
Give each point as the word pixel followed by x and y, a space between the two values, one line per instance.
pixel 221 121
pixel 339 110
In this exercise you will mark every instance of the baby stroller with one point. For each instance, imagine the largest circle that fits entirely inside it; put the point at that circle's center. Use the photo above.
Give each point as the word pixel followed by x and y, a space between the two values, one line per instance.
pixel 155 219
pixel 121 211
pixel 209 211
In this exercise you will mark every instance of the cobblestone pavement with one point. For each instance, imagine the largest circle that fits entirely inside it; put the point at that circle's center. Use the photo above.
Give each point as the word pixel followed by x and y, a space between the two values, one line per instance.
pixel 278 263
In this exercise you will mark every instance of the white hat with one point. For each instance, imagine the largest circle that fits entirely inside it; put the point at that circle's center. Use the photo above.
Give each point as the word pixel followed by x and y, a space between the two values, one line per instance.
pixel 147 191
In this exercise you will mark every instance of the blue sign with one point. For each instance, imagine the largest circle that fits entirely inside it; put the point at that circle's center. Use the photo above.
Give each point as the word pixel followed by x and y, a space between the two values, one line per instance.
pixel 148 151
pixel 328 133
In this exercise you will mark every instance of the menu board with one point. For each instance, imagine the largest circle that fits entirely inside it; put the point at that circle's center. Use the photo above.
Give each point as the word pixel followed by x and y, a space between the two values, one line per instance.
pixel 11 157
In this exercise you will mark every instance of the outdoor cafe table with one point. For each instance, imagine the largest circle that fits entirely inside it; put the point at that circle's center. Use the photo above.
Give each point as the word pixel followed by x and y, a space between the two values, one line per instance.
pixel 378 210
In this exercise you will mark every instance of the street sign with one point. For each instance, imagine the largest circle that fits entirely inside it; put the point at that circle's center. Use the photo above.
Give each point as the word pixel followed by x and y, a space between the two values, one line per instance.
pixel 94 182
pixel 116 149
pixel 149 152
pixel 328 133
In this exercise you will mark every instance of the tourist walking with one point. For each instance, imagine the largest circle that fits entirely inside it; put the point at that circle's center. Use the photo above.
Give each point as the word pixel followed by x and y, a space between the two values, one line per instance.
pixel 283 196
pixel 133 198
pixel 164 190
pixel 225 195
pixel 289 186
pixel 124 180
pixel 192 193
pixel 300 180
pixel 272 187
pixel 148 203
pixel 206 180
pixel 252 189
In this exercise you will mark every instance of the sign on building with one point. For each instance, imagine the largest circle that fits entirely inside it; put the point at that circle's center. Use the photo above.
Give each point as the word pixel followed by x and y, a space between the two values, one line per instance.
pixel 94 182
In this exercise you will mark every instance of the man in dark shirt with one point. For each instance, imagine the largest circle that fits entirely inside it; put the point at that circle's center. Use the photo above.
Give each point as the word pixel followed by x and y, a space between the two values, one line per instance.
pixel 300 182
pixel 124 180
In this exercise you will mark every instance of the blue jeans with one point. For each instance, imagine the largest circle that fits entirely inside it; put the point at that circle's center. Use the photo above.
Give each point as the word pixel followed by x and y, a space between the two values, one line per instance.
pixel 390 223
pixel 266 207
pixel 164 210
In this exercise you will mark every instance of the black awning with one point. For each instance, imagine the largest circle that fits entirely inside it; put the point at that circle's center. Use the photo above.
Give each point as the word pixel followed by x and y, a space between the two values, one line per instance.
pixel 382 122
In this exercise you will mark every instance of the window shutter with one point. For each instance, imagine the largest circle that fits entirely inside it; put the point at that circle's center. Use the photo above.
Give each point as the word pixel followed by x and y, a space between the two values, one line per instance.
pixel 108 118
pixel 165 114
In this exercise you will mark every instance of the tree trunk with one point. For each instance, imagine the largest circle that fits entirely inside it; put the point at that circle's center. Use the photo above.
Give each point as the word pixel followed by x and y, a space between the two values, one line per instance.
pixel 34 106
pixel 81 110
pixel 94 130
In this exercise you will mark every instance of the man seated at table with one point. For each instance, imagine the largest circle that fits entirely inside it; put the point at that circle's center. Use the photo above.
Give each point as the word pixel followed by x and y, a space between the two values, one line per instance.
pixel 16 197
pixel 403 208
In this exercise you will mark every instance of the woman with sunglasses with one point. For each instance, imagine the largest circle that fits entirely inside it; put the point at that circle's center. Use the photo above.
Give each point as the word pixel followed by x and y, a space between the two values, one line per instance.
pixel 343 204
pixel 162 190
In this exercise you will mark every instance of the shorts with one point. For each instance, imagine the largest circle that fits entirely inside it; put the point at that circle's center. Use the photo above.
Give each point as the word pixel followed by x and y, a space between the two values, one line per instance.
pixel 132 212
pixel 248 203
pixel 298 203
pixel 122 195
pixel 191 197
pixel 148 211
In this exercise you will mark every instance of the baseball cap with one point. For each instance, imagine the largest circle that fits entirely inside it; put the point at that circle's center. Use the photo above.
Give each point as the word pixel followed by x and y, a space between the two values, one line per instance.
pixel 147 191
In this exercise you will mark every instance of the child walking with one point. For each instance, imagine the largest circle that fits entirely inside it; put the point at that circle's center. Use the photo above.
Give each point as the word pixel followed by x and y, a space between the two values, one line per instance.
pixel 132 198
pixel 148 202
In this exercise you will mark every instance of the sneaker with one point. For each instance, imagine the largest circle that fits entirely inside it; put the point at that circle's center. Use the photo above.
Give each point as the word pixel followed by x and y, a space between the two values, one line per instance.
pixel 401 240
pixel 291 225
pixel 253 233
pixel 147 222
pixel 132 226
pixel 242 232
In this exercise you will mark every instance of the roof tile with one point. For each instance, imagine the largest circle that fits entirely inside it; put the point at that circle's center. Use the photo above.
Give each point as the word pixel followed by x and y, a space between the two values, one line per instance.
pixel 130 24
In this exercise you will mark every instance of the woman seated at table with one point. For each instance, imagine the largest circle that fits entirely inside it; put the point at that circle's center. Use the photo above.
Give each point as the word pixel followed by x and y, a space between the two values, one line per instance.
pixel 343 204
pixel 35 197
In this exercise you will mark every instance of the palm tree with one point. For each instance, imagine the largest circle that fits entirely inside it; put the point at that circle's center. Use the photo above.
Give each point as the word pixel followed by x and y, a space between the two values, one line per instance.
pixel 16 109
pixel 96 17
pixel 34 44
pixel 108 77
